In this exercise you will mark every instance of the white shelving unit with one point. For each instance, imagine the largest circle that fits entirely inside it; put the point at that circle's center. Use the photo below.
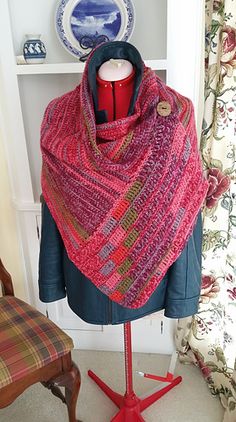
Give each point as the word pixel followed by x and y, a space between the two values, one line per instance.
pixel 55 68
pixel 168 36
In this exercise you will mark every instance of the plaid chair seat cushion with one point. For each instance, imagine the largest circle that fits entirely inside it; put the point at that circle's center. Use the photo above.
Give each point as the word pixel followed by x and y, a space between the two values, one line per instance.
pixel 28 340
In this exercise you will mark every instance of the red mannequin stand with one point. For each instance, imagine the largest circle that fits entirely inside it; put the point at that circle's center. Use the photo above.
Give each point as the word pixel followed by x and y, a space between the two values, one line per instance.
pixel 130 405
pixel 114 97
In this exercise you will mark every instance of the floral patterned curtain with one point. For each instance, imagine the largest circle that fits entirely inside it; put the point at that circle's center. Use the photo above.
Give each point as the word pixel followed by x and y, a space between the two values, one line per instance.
pixel 209 338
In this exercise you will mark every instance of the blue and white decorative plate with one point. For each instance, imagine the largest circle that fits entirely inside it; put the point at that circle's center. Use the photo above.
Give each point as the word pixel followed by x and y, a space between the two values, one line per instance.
pixel 83 24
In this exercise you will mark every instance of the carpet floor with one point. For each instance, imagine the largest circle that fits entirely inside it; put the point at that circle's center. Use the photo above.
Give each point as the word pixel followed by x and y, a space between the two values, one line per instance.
pixel 190 401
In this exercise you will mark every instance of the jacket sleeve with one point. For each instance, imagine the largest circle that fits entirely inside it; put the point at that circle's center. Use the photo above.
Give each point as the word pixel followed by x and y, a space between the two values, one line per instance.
pixel 51 275
pixel 184 278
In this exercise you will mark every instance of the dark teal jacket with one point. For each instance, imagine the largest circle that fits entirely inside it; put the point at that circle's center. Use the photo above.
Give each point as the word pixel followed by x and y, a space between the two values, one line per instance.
pixel 178 292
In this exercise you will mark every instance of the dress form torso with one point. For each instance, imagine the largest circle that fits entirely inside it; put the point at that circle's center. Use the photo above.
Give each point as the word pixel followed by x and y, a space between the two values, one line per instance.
pixel 115 84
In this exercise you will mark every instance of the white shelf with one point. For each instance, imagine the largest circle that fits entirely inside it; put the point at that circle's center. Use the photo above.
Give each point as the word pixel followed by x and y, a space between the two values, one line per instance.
pixel 157 64
pixel 47 68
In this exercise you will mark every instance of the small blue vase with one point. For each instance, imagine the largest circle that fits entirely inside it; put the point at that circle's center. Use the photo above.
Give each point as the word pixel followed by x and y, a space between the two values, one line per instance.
pixel 34 49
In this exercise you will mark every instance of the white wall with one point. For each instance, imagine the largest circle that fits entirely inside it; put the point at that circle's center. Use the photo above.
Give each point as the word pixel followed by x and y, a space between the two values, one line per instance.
pixel 9 242
pixel 150 16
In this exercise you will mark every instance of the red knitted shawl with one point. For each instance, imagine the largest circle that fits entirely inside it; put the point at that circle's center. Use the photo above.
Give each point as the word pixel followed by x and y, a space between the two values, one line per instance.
pixel 125 208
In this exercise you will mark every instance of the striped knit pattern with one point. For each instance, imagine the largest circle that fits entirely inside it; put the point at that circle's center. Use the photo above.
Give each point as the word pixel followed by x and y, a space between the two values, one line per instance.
pixel 125 207
pixel 28 340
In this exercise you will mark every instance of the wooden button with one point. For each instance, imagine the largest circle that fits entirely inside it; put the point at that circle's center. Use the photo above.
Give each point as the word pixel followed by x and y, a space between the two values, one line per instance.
pixel 163 108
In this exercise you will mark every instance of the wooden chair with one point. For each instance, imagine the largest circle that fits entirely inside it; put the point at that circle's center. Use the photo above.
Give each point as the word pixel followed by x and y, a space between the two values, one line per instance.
pixel 33 349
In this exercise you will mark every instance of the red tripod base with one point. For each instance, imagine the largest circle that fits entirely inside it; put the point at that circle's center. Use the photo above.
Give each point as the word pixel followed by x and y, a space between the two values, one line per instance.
pixel 130 405
pixel 126 414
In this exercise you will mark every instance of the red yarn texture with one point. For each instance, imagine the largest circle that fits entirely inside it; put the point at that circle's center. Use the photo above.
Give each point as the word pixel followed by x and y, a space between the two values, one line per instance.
pixel 126 206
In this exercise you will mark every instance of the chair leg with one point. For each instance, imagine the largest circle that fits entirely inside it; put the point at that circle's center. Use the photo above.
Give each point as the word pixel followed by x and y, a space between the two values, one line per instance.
pixel 54 389
pixel 71 380
pixel 72 387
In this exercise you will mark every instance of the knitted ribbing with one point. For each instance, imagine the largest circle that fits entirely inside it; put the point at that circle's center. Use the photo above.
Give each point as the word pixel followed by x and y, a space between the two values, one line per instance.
pixel 125 208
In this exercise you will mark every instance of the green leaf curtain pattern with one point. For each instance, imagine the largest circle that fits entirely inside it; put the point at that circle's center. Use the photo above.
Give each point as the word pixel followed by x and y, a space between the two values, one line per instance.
pixel 209 338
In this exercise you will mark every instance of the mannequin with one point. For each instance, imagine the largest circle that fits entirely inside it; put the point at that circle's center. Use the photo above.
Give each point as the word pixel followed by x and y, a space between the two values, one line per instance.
pixel 109 91
pixel 116 82
pixel 115 85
